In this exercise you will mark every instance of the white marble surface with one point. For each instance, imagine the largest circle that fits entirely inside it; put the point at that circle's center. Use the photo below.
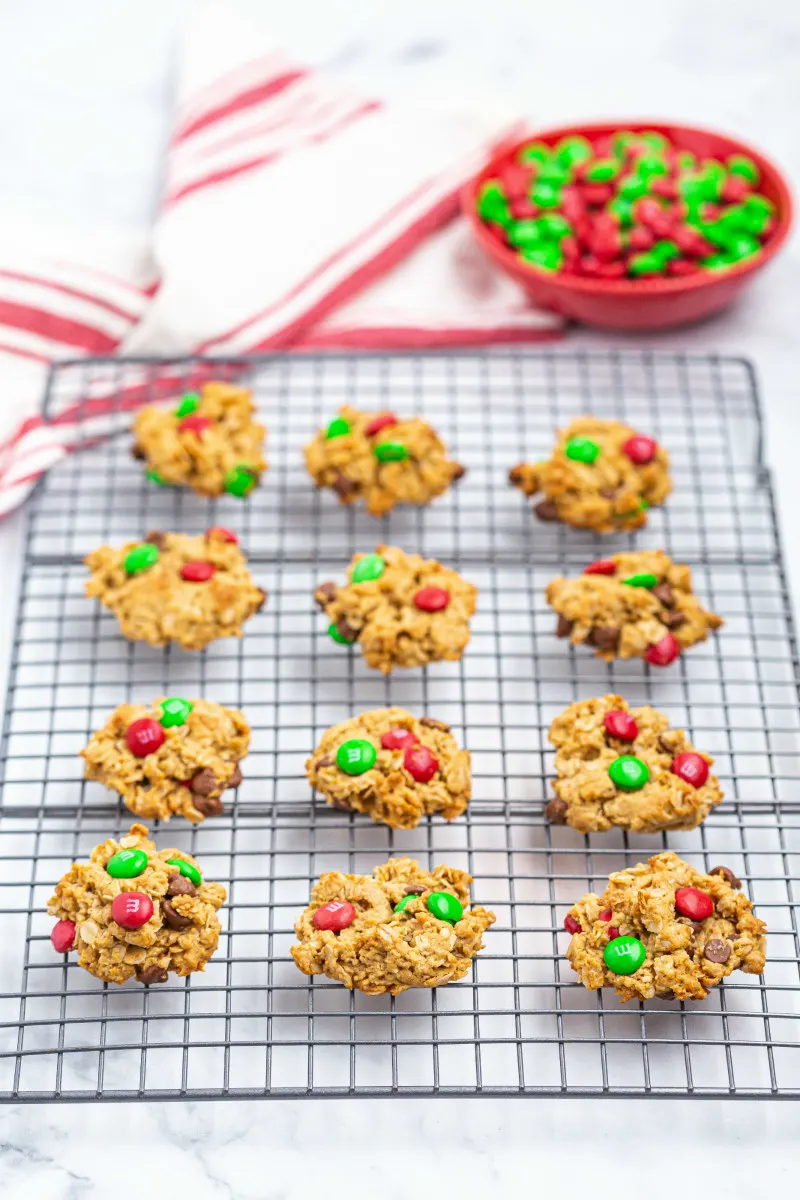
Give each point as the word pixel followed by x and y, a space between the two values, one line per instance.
pixel 71 73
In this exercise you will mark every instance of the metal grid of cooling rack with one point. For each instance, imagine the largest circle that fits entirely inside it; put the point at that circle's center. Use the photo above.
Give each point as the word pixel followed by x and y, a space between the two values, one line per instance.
pixel 519 1024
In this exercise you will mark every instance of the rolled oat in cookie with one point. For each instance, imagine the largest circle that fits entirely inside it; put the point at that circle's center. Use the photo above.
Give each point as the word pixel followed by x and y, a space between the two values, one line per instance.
pixel 663 929
pixel 208 442
pixel 633 605
pixel 135 912
pixel 393 767
pixel 174 757
pixel 174 587
pixel 380 459
pixel 668 785
pixel 398 928
pixel 602 475
pixel 403 610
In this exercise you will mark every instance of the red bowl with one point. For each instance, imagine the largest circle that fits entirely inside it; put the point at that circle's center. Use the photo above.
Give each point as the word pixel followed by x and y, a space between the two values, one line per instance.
pixel 641 303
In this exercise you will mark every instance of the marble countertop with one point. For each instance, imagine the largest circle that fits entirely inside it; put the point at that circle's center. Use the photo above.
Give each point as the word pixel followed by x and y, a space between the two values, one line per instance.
pixel 66 72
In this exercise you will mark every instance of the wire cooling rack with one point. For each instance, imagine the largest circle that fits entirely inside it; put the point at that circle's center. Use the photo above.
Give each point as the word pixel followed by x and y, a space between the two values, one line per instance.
pixel 519 1024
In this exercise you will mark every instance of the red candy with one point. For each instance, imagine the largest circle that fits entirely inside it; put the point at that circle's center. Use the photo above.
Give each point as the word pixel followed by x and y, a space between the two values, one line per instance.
pixel 640 238
pixel 682 266
pixel 664 652
pixel 613 932
pixel 694 904
pixel 336 915
pixel 603 566
pixel 222 534
pixel 691 242
pixel 691 768
pixel 611 270
pixel 62 936
pixel 597 193
pixel 621 725
pixel 640 449
pixel 144 736
pixel 665 187
pixel 197 572
pixel 605 915
pixel 398 739
pixel 571 925
pixel 734 189
pixel 516 180
pixel 522 210
pixel 573 205
pixel 384 421
pixel 431 599
pixel 194 423
pixel 131 910
pixel 420 763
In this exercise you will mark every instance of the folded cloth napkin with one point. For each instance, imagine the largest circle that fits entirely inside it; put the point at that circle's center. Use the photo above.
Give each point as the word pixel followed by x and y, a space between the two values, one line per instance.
pixel 295 215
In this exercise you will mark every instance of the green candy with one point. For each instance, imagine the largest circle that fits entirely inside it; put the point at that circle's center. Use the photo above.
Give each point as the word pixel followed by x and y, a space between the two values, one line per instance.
pixel 552 173
pixel 356 756
pixel 141 558
pixel 552 226
pixel 622 211
pixel 624 955
pixel 716 262
pixel 492 206
pixel 758 212
pixel 743 165
pixel 240 481
pixel 655 140
pixel 154 477
pixel 390 452
pixel 333 632
pixel 445 907
pixel 686 160
pixel 174 711
pixel 711 177
pixel 628 773
pixel 743 246
pixel 621 140
pixel 370 567
pixel 127 864
pixel 546 195
pixel 406 900
pixel 188 869
pixel 536 152
pixel 643 507
pixel 645 580
pixel 602 170
pixel 631 187
pixel 665 250
pixel 692 188
pixel 547 256
pixel 188 405
pixel 337 428
pixel 524 233
pixel 582 449
pixel 649 165
pixel 645 263
pixel 571 150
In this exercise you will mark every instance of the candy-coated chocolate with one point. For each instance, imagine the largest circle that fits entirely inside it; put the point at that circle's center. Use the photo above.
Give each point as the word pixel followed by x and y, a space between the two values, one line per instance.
pixel 144 736
pixel 431 599
pixel 196 424
pixel 188 405
pixel 222 534
pixel 605 915
pixel 640 449
pixel 546 255
pixel 546 195
pixel 572 150
pixel 368 568
pixel 356 756
pixel 398 908
pixel 336 915
pixel 420 763
pixel 743 165
pixel 524 234
pixel 536 152
pixel 174 711
pixel 337 428
pixel 127 864
pixel 141 558
pixel 383 421
pixel 629 773
pixel 445 907
pixel 663 652
pixel 188 869
pixel 398 739
pixel 692 903
pixel 690 767
pixel 492 206
pixel 624 955
pixel 390 452
pixel 240 481
pixel 197 572
pixel 155 478
pixel 571 925
pixel 338 636
pixel 603 566
pixel 131 910
pixel 644 580
pixel 621 725
pixel 62 935
pixel 582 449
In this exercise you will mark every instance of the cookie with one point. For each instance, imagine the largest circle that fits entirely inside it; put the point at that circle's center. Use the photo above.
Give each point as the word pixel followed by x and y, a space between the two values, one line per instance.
pixel 398 928
pixel 173 587
pixel 392 766
pixel 637 605
pixel 176 757
pixel 403 610
pixel 135 912
pixel 602 475
pixel 662 928
pixel 380 459
pixel 209 442
pixel 624 766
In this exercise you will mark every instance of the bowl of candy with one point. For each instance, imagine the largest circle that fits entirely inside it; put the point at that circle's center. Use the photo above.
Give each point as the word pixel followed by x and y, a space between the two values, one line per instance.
pixel 635 226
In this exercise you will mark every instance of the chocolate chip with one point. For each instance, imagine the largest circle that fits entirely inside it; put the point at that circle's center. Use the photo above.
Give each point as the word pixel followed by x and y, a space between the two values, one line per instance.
pixel 236 777
pixel 609 493
pixel 138 453
pixel 672 619
pixel 564 627
pixel 604 637
pixel 458 472
pixel 153 975
pixel 173 918
pixel 344 486
pixel 696 926
pixel 556 812
pixel 434 724
pixel 342 805
pixel 156 538
pixel 717 951
pixel 346 631
pixel 665 744
pixel 665 594
pixel 727 874
pixel 515 475
pixel 262 601
pixel 209 806
pixel 325 761
pixel 325 593
pixel 666 995
pixel 204 783
pixel 546 510
pixel 415 889
pixel 179 885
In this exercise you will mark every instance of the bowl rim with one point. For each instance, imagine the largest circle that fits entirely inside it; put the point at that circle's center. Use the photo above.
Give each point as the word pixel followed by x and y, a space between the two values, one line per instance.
pixel 660 285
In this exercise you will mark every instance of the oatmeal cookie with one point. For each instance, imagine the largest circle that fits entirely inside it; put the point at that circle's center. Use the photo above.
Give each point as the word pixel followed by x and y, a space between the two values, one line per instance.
pixel 626 767
pixel 133 911
pixel 176 588
pixel 381 459
pixel 209 443
pixel 392 766
pixel 175 757
pixel 637 605
pixel 403 610
pixel 662 928
pixel 398 928
pixel 602 476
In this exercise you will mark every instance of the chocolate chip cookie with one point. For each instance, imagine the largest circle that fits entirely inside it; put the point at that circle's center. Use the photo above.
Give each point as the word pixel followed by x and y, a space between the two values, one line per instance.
pixel 398 928
pixel 637 605
pixel 602 475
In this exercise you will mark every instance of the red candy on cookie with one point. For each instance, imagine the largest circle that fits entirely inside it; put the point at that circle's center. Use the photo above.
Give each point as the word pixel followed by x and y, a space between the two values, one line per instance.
pixel 144 736
pixel 335 916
